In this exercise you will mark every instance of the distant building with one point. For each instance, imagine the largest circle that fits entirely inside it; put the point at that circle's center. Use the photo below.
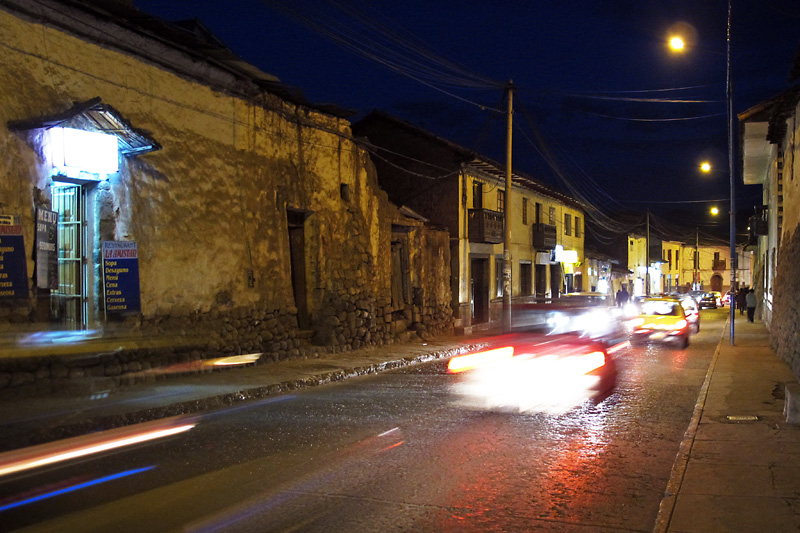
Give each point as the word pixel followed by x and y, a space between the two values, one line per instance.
pixel 464 192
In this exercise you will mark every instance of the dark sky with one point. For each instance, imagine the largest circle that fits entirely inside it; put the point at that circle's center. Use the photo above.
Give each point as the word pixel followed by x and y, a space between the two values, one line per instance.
pixel 579 69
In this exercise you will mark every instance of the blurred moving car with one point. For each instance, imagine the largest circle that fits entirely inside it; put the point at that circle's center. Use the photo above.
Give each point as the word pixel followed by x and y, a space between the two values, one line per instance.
pixel 697 295
pixel 692 311
pixel 527 372
pixel 728 298
pixel 707 301
pixel 661 320
pixel 589 315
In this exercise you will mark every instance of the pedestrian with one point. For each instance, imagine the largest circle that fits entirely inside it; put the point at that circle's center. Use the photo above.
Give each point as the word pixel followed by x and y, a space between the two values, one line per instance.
pixel 741 297
pixel 624 296
pixel 619 297
pixel 750 300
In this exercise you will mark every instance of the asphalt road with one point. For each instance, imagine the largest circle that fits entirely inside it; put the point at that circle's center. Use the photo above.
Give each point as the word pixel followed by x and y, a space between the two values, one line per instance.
pixel 391 452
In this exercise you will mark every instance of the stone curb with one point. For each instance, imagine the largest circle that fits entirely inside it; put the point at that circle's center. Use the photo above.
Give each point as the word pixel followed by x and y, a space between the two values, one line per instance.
pixel 668 502
pixel 100 423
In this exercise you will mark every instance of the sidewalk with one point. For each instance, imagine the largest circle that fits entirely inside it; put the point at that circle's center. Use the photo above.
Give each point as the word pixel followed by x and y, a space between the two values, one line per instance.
pixel 738 468
pixel 27 421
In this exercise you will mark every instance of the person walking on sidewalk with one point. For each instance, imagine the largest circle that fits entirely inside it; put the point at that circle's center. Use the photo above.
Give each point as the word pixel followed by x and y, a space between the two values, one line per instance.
pixel 750 299
pixel 741 296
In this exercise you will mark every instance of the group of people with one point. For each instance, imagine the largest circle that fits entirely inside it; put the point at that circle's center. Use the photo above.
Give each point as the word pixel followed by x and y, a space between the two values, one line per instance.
pixel 622 297
pixel 746 300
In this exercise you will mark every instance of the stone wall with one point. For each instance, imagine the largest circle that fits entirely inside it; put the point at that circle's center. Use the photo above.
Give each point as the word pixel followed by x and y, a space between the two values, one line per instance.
pixel 785 327
pixel 209 210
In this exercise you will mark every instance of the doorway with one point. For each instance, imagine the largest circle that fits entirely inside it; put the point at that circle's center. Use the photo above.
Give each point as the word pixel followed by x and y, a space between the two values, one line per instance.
pixel 555 280
pixel 479 290
pixel 69 302
pixel 540 280
pixel 297 258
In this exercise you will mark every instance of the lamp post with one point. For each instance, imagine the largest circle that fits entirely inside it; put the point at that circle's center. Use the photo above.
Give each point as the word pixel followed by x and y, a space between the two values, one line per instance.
pixel 677 44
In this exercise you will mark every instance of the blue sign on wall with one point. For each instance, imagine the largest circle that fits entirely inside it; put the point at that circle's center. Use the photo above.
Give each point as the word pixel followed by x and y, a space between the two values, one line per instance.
pixel 13 267
pixel 121 277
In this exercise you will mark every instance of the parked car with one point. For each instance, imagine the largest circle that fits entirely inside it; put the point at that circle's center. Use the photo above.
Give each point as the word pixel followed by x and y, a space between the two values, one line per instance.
pixel 661 320
pixel 729 298
pixel 718 296
pixel 707 301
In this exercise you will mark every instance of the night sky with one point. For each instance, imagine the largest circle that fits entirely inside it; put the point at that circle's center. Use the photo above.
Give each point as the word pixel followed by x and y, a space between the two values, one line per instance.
pixel 595 85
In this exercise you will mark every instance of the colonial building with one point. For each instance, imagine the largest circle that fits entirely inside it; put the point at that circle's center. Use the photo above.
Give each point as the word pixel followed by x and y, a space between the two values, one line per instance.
pixel 464 192
pixel 153 180
pixel 676 266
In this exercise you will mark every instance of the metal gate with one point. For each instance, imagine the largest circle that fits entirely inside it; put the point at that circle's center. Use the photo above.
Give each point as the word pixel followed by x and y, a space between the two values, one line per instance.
pixel 69 300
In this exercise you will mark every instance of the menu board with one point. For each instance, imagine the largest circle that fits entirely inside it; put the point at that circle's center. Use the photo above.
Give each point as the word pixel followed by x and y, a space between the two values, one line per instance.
pixel 121 277
pixel 46 249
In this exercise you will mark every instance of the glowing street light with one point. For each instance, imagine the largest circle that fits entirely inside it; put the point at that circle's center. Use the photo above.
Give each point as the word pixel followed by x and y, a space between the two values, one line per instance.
pixel 705 166
pixel 715 210
pixel 677 43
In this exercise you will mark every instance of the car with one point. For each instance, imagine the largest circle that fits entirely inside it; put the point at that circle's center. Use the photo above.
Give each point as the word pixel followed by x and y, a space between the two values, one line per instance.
pixel 692 312
pixel 697 295
pixel 530 372
pixel 718 296
pixel 707 301
pixel 661 320
pixel 728 298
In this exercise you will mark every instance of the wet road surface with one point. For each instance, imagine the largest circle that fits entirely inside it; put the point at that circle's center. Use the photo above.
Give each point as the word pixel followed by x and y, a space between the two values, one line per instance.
pixel 391 452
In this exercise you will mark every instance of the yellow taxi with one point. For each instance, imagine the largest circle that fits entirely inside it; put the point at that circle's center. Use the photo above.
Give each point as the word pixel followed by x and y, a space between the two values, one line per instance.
pixel 661 320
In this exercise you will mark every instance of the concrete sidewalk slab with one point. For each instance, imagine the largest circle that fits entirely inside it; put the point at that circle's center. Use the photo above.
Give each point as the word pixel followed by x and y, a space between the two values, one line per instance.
pixel 739 466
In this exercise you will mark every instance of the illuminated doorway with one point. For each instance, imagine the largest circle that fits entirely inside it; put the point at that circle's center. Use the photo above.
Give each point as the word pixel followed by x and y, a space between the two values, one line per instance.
pixel 69 301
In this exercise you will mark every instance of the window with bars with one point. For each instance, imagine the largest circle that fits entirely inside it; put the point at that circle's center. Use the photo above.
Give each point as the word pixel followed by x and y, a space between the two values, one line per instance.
pixel 567 224
pixel 501 200
pixel 524 211
pixel 552 216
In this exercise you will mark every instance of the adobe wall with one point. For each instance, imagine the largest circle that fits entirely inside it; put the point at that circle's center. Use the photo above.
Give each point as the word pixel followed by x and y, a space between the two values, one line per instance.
pixel 209 207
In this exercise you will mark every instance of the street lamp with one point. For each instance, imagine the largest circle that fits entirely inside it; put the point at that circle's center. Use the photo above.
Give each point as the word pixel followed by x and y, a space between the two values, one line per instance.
pixel 705 166
pixel 715 210
pixel 680 42
pixel 676 43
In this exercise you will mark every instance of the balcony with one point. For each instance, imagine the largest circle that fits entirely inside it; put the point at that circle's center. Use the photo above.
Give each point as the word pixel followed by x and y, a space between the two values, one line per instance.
pixel 720 264
pixel 544 237
pixel 485 226
pixel 758 226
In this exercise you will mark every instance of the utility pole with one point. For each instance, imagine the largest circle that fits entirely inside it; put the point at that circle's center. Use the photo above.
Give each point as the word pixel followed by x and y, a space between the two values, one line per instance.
pixel 732 174
pixel 696 258
pixel 507 209
pixel 647 258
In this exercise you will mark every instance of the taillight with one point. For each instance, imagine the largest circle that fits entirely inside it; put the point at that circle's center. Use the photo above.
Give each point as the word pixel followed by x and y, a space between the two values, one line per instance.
pixel 462 363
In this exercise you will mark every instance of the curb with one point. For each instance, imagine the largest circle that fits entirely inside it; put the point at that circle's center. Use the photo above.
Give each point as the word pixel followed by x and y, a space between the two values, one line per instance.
pixel 670 499
pixel 101 423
